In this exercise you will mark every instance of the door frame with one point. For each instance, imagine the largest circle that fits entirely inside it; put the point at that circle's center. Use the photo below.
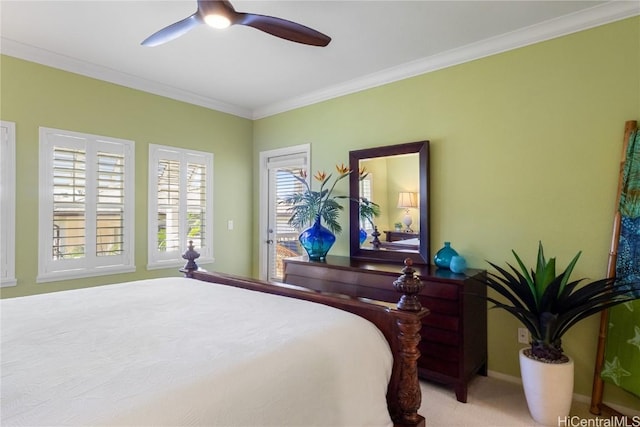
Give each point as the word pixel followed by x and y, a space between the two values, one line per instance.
pixel 264 156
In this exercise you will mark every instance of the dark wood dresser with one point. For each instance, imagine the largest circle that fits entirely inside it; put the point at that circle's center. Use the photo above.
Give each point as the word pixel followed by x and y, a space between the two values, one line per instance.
pixel 454 335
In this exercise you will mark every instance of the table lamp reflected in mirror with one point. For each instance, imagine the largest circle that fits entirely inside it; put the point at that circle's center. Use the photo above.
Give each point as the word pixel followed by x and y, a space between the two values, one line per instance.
pixel 406 201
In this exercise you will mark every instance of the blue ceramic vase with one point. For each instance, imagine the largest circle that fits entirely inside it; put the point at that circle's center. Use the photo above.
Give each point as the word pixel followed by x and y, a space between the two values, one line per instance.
pixel 363 235
pixel 458 264
pixel 442 259
pixel 317 240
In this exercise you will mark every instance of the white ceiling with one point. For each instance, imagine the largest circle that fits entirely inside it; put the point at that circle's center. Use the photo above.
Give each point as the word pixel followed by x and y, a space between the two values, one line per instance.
pixel 251 74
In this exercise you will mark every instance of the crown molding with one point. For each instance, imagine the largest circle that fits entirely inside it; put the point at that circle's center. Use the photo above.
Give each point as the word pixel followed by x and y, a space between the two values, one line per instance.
pixel 588 18
pixel 41 56
pixel 578 21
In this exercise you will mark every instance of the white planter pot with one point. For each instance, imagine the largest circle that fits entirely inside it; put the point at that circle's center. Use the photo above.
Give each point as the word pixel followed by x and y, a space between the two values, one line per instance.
pixel 548 388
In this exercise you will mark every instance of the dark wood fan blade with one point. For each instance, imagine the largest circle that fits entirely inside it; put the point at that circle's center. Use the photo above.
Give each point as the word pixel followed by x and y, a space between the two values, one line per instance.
pixel 282 28
pixel 173 31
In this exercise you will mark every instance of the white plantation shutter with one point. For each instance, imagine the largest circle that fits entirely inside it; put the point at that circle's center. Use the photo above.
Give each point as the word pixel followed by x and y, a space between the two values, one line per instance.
pixel 181 192
pixel 365 187
pixel 7 203
pixel 69 202
pixel 285 186
pixel 87 205
pixel 167 231
pixel 197 226
pixel 366 191
pixel 111 204
pixel 286 242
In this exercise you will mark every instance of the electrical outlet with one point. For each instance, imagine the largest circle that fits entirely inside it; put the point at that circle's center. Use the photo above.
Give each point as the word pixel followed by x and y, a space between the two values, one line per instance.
pixel 523 336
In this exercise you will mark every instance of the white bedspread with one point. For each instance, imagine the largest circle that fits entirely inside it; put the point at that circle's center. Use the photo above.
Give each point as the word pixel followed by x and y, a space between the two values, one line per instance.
pixel 177 351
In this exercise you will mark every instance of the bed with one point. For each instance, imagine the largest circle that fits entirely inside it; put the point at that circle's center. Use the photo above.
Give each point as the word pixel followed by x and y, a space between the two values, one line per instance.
pixel 145 353
pixel 412 244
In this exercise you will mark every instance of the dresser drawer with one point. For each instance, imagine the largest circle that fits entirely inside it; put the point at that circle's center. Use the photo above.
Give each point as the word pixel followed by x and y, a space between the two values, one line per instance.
pixel 320 274
pixel 444 352
pixel 442 306
pixel 442 367
pixel 438 335
pixel 442 321
pixel 377 280
pixel 441 290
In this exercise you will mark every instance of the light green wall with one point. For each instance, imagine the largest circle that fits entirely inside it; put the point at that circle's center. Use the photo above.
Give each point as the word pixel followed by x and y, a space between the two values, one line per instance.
pixel 525 146
pixel 33 95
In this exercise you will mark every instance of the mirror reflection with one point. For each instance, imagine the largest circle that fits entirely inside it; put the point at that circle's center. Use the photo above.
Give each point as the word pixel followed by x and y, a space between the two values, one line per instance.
pixel 392 183
pixel 389 209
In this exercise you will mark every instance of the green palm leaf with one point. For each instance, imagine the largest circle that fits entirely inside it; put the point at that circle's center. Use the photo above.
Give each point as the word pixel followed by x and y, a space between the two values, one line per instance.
pixel 306 206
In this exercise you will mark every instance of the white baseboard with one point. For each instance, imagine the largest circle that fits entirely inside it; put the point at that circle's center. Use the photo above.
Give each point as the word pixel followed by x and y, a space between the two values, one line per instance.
pixel 504 377
pixel 576 397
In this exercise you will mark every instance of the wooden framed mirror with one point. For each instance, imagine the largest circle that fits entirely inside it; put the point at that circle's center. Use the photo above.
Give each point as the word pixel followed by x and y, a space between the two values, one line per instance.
pixel 397 180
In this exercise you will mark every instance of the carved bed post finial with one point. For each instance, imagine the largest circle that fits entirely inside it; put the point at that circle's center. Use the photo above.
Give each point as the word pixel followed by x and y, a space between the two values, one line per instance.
pixel 409 394
pixel 410 286
pixel 190 255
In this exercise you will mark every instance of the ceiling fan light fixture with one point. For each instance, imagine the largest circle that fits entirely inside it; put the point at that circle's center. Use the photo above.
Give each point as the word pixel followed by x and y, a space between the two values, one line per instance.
pixel 220 14
pixel 217 21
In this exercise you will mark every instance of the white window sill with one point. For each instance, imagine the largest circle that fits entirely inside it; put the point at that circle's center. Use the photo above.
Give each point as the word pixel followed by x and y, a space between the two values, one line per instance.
pixel 6 283
pixel 82 273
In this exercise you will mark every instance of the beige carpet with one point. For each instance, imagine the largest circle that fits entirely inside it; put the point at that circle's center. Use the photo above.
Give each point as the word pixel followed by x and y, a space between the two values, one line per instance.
pixel 491 402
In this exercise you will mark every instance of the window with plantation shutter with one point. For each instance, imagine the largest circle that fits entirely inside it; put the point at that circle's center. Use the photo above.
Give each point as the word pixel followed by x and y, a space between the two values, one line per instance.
pixel 7 203
pixel 181 203
pixel 366 191
pixel 87 205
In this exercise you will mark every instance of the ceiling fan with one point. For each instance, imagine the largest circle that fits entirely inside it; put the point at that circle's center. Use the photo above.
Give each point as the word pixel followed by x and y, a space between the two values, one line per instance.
pixel 221 14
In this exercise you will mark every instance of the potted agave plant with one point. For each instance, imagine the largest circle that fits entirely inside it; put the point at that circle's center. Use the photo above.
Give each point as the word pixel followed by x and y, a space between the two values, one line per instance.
pixel 548 305
pixel 311 207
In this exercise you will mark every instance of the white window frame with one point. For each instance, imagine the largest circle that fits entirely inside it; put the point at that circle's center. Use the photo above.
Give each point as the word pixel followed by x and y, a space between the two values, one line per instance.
pixel 90 265
pixel 169 259
pixel 7 204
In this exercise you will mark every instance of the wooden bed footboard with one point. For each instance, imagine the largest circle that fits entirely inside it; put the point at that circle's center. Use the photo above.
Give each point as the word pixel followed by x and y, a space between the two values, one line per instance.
pixel 399 323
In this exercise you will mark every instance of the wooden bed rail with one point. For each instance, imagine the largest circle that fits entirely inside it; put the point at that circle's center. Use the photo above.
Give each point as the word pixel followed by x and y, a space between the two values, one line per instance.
pixel 400 324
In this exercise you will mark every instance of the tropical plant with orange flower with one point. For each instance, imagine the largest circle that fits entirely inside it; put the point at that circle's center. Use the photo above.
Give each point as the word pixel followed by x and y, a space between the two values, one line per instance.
pixel 308 205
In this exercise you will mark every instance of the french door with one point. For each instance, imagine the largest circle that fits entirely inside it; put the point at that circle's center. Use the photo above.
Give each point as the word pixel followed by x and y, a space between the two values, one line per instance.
pixel 278 239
